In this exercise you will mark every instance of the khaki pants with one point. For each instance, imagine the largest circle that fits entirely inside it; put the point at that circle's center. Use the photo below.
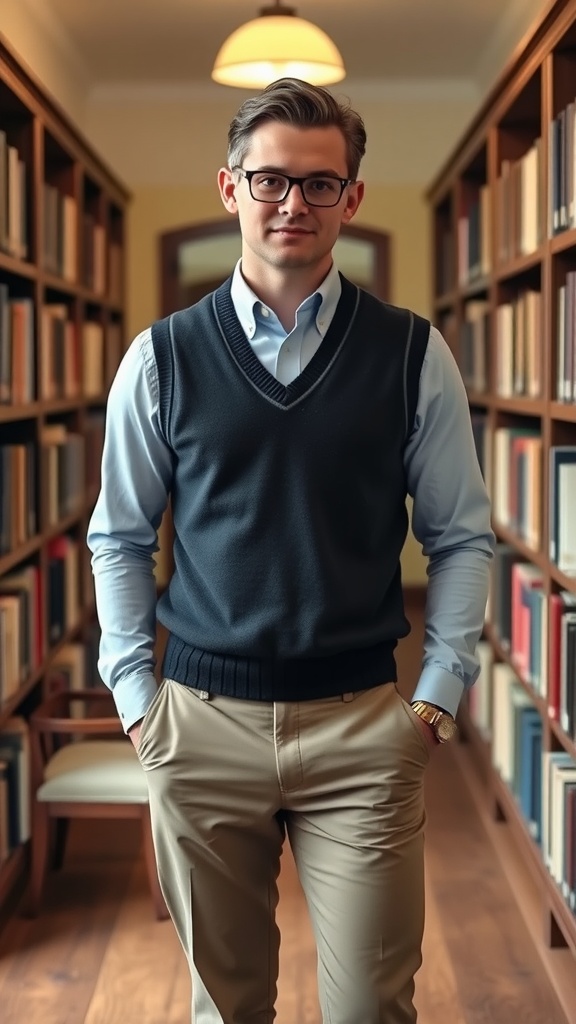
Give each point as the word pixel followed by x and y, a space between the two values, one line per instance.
pixel 343 778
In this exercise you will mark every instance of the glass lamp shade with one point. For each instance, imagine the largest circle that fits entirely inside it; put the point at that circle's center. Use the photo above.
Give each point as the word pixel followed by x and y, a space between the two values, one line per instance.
pixel 277 46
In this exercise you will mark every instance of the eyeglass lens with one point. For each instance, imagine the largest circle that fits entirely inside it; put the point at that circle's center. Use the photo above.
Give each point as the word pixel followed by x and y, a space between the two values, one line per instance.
pixel 318 191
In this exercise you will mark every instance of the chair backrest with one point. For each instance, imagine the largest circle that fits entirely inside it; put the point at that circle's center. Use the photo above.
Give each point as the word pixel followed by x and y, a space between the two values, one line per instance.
pixel 67 715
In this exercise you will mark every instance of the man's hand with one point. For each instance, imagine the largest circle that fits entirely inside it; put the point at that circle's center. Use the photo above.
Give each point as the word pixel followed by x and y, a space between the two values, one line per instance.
pixel 134 732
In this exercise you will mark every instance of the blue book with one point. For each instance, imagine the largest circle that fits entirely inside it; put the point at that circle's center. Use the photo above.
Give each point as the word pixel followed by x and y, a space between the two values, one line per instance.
pixel 529 723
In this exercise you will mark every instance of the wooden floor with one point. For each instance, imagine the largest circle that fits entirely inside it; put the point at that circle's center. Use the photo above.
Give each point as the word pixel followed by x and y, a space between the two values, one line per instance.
pixel 97 956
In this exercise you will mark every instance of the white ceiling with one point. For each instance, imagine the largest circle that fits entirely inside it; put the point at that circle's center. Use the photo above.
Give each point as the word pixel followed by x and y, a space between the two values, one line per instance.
pixel 154 41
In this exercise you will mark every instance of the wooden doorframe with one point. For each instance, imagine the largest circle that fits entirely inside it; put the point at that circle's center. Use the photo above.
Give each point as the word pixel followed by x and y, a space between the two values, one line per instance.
pixel 170 242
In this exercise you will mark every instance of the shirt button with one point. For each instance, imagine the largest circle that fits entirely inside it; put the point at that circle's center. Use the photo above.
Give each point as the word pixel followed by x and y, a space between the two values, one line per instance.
pixel 265 312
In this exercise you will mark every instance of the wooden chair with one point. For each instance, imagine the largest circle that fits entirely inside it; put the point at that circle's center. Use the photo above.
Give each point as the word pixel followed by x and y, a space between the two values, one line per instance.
pixel 79 770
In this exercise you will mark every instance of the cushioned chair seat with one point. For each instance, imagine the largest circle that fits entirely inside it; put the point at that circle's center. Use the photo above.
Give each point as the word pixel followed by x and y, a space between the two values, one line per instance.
pixel 94 771
pixel 96 774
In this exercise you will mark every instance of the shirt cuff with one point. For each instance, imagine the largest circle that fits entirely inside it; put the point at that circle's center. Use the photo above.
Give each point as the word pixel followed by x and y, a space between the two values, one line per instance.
pixel 133 696
pixel 437 686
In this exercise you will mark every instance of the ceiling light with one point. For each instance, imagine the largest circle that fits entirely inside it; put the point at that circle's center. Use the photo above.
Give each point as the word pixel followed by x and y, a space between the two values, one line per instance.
pixel 277 44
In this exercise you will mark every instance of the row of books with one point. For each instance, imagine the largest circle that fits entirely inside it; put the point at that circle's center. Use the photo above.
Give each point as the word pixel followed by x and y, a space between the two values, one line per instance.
pixel 64 457
pixel 517 492
pixel 18 495
pixel 76 360
pixel 518 328
pixel 17 349
pixel 18 519
pixel 13 213
pixel 72 360
pixel 517 349
pixel 474 257
pixel 538 632
pixel 542 781
pixel 60 235
pixel 24 619
pixel 519 213
pixel 516 488
pixel 73 248
pixel 70 464
pixel 23 647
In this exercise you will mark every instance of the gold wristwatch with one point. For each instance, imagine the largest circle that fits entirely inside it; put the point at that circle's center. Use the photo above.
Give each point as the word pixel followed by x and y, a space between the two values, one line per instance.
pixel 442 723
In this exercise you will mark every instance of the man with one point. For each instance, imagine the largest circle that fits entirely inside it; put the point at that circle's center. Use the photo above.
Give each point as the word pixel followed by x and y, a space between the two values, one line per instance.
pixel 288 415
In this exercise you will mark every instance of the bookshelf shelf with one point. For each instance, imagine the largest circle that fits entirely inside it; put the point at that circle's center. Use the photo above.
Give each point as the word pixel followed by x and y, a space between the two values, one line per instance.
pixel 20 554
pixel 505 808
pixel 523 406
pixel 509 537
pixel 563 740
pixel 519 266
pixel 62 236
pixel 566 413
pixel 564 581
pixel 555 900
pixel 504 204
pixel 562 243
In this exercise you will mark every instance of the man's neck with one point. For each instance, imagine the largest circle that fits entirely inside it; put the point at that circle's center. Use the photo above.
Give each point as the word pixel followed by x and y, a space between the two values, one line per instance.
pixel 284 291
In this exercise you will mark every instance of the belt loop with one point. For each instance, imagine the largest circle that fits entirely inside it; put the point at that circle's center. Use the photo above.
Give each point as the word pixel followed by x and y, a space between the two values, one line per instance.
pixel 347 697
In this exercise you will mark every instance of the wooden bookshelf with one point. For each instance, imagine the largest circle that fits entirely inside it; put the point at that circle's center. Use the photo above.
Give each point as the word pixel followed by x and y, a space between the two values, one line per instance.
pixel 503 212
pixel 62 243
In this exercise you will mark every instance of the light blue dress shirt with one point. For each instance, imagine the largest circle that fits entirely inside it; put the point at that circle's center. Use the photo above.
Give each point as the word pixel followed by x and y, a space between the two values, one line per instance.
pixel 451 516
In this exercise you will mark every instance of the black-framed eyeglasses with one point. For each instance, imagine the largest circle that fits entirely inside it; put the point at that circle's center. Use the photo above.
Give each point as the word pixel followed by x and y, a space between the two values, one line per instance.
pixel 317 190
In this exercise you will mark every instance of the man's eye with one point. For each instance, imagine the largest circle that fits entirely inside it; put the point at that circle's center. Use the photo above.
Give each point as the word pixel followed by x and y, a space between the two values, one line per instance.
pixel 269 182
pixel 322 185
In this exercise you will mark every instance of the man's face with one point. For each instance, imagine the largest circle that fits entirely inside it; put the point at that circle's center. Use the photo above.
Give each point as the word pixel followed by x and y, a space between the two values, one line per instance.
pixel 290 235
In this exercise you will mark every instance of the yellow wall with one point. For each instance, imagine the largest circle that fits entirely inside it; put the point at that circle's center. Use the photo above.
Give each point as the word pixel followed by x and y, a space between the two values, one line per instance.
pixel 38 40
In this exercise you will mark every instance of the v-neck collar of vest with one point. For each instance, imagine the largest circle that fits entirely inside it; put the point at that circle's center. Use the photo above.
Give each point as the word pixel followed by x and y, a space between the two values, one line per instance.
pixel 241 350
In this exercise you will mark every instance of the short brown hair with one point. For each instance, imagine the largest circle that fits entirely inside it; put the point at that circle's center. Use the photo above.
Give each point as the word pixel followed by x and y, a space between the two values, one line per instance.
pixel 292 101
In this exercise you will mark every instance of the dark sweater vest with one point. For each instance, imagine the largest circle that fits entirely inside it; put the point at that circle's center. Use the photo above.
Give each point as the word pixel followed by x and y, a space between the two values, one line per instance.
pixel 289 503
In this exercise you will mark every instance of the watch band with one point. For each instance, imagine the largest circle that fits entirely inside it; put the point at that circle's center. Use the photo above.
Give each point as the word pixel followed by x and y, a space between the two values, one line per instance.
pixel 440 721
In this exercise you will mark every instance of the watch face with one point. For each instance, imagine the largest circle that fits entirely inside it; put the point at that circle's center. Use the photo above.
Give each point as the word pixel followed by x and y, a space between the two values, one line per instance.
pixel 446 728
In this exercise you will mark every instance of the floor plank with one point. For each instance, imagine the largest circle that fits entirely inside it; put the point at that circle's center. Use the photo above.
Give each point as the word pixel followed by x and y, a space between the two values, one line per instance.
pixel 144 975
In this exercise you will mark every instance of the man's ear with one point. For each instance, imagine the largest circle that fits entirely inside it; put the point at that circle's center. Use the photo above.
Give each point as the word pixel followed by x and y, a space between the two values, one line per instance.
pixel 354 197
pixel 227 187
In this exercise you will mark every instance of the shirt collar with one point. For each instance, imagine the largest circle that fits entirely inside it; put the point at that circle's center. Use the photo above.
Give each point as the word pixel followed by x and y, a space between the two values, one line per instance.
pixel 246 301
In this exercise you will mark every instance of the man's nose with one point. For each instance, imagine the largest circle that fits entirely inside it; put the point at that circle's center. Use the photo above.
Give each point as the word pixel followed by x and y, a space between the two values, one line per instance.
pixel 294 202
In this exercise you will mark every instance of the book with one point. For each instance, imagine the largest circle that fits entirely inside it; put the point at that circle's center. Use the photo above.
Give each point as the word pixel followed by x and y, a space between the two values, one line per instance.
pixel 562 503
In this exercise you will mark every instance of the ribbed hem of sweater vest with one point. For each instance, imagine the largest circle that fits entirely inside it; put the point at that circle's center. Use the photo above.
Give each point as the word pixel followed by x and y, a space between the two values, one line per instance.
pixel 265 679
